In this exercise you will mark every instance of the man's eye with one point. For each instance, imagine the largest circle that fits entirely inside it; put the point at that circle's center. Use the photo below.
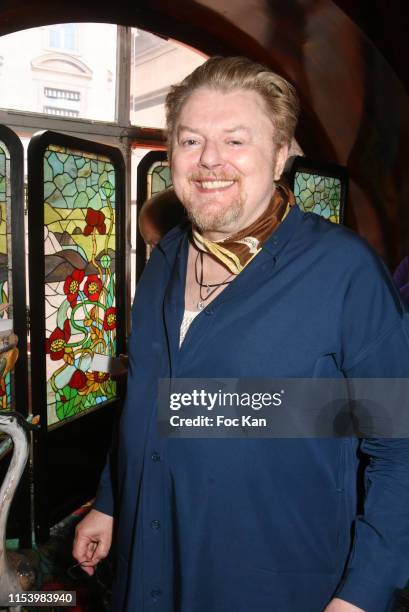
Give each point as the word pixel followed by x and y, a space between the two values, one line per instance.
pixel 235 142
pixel 189 142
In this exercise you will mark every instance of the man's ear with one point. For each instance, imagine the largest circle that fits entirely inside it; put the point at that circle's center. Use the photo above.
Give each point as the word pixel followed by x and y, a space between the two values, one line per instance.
pixel 281 158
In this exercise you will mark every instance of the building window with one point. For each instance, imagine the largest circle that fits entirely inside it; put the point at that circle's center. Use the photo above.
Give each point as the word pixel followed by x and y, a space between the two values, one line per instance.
pixel 80 75
pixel 62 94
pixel 156 64
pixel 60 112
pixel 62 37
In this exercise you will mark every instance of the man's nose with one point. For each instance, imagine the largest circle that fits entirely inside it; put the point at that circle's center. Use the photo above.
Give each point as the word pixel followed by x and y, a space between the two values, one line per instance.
pixel 210 155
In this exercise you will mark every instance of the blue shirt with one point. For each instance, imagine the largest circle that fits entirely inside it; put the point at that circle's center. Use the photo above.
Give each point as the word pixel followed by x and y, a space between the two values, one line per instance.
pixel 239 525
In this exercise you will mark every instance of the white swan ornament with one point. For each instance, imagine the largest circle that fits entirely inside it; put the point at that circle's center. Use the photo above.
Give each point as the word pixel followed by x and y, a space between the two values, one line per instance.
pixel 13 424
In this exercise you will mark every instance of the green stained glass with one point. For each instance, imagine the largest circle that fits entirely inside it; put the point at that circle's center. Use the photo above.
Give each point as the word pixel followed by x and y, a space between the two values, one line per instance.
pixel 318 194
pixel 79 246
pixel 6 382
pixel 159 177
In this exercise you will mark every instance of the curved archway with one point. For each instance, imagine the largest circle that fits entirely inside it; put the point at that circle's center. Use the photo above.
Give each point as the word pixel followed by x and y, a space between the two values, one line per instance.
pixel 338 70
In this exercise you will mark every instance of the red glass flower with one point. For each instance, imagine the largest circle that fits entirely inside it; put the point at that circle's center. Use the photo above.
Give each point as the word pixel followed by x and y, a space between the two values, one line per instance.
pixel 110 319
pixel 55 345
pixel 72 285
pixel 95 220
pixel 78 380
pixel 92 287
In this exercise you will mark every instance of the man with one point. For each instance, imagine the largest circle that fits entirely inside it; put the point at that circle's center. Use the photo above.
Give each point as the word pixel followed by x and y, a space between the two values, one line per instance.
pixel 257 289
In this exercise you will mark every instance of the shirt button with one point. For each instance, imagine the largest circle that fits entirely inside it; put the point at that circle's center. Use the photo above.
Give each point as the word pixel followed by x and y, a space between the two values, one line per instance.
pixel 155 457
pixel 155 525
pixel 156 593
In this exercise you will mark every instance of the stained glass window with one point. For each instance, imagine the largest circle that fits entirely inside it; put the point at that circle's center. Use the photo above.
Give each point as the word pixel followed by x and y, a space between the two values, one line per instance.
pixel 6 382
pixel 158 177
pixel 80 305
pixel 318 194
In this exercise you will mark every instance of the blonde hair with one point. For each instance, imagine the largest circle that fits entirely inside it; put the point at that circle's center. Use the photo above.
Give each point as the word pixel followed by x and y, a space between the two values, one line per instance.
pixel 227 74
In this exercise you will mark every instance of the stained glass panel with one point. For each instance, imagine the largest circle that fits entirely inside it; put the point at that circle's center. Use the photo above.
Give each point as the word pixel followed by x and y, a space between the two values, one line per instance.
pixel 80 305
pixel 158 178
pixel 6 382
pixel 318 194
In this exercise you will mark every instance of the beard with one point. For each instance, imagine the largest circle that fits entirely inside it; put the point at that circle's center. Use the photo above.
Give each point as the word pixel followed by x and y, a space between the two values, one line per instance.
pixel 216 220
pixel 210 216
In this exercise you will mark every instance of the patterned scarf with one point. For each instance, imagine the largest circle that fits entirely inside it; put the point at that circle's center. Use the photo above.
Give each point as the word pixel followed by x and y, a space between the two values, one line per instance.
pixel 236 252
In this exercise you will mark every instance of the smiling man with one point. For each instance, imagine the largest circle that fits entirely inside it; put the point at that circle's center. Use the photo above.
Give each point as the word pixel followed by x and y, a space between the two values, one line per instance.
pixel 225 160
pixel 252 288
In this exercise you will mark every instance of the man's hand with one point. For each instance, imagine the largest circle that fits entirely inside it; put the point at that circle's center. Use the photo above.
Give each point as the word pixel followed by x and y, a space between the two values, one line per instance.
pixel 93 537
pixel 339 605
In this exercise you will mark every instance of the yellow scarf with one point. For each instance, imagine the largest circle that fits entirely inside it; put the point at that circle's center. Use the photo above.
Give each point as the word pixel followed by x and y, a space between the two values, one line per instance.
pixel 236 252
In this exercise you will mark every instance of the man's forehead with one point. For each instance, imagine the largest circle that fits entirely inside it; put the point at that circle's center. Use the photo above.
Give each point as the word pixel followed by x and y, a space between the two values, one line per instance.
pixel 203 96
pixel 227 111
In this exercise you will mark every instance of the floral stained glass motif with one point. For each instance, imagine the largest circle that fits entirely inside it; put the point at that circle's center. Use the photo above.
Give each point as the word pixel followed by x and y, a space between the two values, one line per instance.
pixel 79 234
pixel 318 194
pixel 6 382
pixel 159 178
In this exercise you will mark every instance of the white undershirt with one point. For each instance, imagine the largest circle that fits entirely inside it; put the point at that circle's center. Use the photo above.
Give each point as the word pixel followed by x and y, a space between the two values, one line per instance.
pixel 188 317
